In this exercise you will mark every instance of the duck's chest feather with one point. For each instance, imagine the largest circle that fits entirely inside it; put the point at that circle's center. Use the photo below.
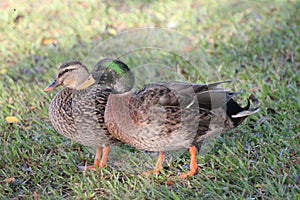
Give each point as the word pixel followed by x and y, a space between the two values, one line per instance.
pixel 79 115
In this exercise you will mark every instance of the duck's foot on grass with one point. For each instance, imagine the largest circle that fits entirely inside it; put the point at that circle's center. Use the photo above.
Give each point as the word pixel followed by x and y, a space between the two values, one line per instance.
pixel 97 162
pixel 158 166
pixel 193 164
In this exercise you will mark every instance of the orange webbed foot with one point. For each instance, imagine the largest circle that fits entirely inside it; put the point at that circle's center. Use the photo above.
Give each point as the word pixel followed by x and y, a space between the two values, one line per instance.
pixel 193 164
pixel 158 166
pixel 97 163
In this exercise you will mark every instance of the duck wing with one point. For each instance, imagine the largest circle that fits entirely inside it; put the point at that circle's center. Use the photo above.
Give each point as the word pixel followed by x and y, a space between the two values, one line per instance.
pixel 187 95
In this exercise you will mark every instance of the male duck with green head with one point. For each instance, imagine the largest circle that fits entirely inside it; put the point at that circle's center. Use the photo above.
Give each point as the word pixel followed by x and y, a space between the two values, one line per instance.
pixel 166 116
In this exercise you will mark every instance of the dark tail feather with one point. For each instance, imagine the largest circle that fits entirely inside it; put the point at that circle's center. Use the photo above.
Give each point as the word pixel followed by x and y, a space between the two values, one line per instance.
pixel 237 113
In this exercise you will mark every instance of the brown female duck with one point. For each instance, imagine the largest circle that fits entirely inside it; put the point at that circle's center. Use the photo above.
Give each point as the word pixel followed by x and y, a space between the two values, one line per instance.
pixel 169 116
pixel 79 114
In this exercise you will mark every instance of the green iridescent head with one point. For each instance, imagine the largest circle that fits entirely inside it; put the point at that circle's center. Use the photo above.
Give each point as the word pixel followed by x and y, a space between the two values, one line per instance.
pixel 111 73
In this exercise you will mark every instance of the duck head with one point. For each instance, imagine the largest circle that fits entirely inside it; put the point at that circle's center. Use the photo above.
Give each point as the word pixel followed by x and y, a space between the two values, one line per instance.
pixel 70 74
pixel 111 73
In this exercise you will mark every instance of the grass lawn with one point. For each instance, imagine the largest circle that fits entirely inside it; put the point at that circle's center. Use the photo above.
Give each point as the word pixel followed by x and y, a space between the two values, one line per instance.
pixel 256 43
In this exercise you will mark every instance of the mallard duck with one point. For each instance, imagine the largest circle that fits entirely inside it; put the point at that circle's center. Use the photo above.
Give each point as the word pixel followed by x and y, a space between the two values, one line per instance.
pixel 169 116
pixel 79 114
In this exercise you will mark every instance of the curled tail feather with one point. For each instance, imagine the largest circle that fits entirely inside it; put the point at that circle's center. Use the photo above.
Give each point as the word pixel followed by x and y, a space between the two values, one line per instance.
pixel 238 113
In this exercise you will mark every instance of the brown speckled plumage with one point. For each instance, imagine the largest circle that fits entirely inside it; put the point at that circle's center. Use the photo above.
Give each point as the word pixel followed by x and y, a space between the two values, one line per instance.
pixel 79 115
pixel 171 116
pixel 165 116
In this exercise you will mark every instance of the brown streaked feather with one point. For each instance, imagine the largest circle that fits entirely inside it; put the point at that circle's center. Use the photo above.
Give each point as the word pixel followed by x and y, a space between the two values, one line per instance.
pixel 170 116
pixel 79 115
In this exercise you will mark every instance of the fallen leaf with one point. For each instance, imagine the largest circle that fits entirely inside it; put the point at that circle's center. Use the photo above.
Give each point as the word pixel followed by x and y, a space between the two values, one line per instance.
pixel 50 40
pixel 11 119
pixel 112 31
pixel 3 71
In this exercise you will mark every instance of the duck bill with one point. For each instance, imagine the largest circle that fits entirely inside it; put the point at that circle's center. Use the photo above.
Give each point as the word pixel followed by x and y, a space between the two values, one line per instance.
pixel 52 86
pixel 88 82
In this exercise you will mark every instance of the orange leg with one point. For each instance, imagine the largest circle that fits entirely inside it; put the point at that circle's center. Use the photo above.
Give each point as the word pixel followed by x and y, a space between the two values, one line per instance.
pixel 97 159
pixel 97 156
pixel 104 157
pixel 193 164
pixel 158 165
